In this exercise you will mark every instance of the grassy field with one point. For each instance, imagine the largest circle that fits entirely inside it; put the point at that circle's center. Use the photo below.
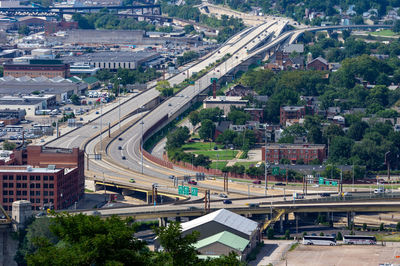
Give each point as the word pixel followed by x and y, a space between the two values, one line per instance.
pixel 200 146
pixel 390 237
pixel 246 164
pixel 386 33
pixel 218 165
pixel 218 155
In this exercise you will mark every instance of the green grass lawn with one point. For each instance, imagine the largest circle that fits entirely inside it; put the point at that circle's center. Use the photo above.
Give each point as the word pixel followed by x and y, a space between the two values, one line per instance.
pixel 387 33
pixel 218 155
pixel 246 164
pixel 200 146
pixel 218 165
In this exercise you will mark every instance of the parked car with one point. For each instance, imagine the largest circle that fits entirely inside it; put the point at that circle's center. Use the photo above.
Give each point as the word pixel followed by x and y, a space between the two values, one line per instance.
pixel 325 194
pixel 227 201
pixel 257 182
pixel 222 195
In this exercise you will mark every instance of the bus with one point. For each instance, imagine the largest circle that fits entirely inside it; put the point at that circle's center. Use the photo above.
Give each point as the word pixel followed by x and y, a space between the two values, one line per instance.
pixel 319 240
pixel 359 240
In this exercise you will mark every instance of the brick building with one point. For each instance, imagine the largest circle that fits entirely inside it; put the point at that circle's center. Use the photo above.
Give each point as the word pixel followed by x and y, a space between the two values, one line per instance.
pixel 318 63
pixel 257 114
pixel 37 68
pixel 291 113
pixel 294 152
pixel 46 177
pixel 53 27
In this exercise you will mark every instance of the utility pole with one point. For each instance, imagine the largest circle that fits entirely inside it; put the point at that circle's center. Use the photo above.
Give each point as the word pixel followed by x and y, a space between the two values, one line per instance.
pixel 119 106
pixel 101 127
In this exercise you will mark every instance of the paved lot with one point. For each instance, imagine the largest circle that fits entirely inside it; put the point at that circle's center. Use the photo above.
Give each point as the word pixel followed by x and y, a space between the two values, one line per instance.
pixel 343 255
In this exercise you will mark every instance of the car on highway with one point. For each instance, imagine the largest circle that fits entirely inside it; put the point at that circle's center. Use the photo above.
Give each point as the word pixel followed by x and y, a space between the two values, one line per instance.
pixel 123 158
pixel 347 194
pixel 119 139
pixel 119 148
pixel 132 180
pixel 97 112
pixel 171 177
pixel 280 184
pixel 257 182
pixel 169 104
pixel 222 195
pixel 227 201
pixel 192 182
pixel 325 195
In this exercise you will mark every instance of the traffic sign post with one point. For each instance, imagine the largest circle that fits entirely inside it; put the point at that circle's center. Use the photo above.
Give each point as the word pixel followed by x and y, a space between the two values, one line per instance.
pixel 275 170
pixel 186 190
pixel 180 190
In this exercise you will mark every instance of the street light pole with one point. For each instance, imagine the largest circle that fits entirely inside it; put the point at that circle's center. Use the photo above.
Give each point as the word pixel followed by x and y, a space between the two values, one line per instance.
pixel 141 143
pixel 119 107
pixel 101 127
pixel 266 163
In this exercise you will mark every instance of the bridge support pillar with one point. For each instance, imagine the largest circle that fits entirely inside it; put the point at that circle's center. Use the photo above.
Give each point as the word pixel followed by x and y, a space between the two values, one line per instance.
pixel 286 218
pixel 162 221
pixel 296 215
pixel 349 220
pixel 178 219
pixel 281 224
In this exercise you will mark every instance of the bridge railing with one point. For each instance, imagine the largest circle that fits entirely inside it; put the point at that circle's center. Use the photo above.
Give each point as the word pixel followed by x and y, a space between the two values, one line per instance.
pixel 383 196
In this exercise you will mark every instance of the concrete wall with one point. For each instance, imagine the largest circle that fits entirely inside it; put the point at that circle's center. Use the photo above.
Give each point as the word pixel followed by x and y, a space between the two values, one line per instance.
pixel 8 246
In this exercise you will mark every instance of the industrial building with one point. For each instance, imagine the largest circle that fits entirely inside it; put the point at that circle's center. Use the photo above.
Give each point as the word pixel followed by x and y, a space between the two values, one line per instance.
pixel 223 231
pixel 37 68
pixel 48 178
pixel 294 152
pixel 12 116
pixel 224 102
pixel 113 60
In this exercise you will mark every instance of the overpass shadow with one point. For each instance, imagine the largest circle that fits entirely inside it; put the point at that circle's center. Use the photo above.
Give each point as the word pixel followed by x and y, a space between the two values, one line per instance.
pixel 266 250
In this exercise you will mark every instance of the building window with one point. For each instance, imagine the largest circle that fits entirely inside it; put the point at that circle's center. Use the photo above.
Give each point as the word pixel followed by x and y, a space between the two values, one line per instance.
pixel 10 177
pixel 51 185
pixel 32 185
pixel 46 185
pixel 10 185
pixel 18 185
pixel 19 177
pixel 45 193
pixel 37 193
pixel 37 200
pixel 32 193
pixel 32 201
pixel 18 192
pixel 51 193
pixel 51 177
pixel 5 200
pixel 5 185
pixel 31 177
pixel 24 185
pixel 45 177
pixel 38 177
pixel 10 192
pixel 24 177
pixel 24 193
pixel 5 177
pixel 38 185
pixel 5 192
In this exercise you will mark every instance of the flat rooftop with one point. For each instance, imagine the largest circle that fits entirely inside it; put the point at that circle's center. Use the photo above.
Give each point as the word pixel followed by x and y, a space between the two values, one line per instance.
pixel 112 57
pixel 295 146
pixel 225 99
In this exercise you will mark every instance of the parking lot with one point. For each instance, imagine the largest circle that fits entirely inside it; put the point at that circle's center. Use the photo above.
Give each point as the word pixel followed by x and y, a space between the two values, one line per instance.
pixel 344 255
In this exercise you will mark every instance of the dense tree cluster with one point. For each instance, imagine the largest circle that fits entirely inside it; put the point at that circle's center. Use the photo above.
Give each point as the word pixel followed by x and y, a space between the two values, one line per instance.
pixel 89 240
pixel 186 57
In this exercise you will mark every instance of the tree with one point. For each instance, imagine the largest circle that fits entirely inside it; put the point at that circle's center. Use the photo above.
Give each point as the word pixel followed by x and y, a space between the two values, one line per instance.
pixel 382 227
pixel 177 138
pixel 270 233
pixel 287 234
pixel 24 30
pixel 357 130
pixel 339 236
pixel 164 88
pixel 398 226
pixel 188 28
pixel 238 117
pixel 340 148
pixel 75 99
pixel 89 240
pixel 194 118
pixel 207 129
pixel 178 249
pixel 9 146
pixel 364 227
pixel 321 234
pixel 396 26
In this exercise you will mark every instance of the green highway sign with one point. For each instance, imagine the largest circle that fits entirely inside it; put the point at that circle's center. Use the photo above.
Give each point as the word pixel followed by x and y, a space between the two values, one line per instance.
pixel 191 82
pixel 195 191
pixel 213 79
pixel 186 190
pixel 321 181
pixel 283 171
pixel 275 170
pixel 327 182
pixel 180 190
pixel 334 183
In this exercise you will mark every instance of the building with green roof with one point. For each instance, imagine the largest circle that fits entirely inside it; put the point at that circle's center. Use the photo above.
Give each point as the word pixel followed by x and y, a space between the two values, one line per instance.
pixel 222 244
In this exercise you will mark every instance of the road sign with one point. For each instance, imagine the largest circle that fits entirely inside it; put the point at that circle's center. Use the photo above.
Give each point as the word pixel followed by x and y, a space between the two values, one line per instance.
pixel 321 181
pixel 213 79
pixel 180 190
pixel 191 82
pixel 195 191
pixel 334 183
pixel 275 170
pixel 327 182
pixel 283 171
pixel 186 190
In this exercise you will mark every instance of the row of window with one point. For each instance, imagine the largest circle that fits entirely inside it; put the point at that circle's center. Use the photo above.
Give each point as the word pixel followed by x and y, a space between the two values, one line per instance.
pixel 25 185
pixel 11 200
pixel 9 208
pixel 24 193
pixel 24 177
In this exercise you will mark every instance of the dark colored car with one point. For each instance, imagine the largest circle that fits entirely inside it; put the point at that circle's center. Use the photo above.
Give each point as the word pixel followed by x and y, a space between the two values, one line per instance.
pixel 192 182
pixel 227 201
pixel 119 138
pixel 119 148
pixel 325 194
pixel 280 184
pixel 257 182
pixel 123 158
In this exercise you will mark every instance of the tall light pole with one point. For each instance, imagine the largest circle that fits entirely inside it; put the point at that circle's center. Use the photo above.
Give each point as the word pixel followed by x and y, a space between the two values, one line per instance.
pixel 119 106
pixel 266 162
pixel 101 126
pixel 141 143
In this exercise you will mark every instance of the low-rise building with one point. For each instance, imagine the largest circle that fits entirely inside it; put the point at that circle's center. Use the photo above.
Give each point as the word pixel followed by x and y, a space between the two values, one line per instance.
pixel 291 113
pixel 294 152
pixel 12 116
pixel 29 105
pixel 224 103
pixel 37 68
pixel 318 63
pixel 48 178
